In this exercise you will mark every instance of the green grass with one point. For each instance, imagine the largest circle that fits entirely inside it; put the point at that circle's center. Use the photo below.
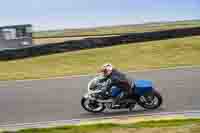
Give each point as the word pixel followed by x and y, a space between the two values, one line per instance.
pixel 165 123
pixel 175 125
pixel 121 29
pixel 139 56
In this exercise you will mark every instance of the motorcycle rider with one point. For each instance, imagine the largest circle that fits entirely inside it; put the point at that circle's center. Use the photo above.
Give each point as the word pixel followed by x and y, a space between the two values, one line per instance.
pixel 114 77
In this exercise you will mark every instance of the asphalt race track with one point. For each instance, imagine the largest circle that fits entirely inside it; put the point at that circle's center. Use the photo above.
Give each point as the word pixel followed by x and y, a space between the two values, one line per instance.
pixel 59 99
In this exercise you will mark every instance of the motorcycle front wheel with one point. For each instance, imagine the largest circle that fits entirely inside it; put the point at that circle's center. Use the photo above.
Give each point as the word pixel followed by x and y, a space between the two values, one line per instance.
pixel 92 106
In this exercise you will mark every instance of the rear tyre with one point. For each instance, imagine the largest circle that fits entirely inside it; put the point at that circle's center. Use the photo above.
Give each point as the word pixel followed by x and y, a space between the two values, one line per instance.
pixel 92 106
pixel 151 100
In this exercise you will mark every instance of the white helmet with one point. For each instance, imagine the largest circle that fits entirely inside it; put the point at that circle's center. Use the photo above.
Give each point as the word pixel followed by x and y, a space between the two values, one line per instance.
pixel 106 69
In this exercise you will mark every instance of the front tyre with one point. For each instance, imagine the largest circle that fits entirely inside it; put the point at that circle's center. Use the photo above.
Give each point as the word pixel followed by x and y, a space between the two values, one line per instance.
pixel 151 100
pixel 92 106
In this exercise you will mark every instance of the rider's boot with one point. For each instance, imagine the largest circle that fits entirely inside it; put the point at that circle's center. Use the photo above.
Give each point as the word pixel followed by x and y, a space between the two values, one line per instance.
pixel 115 103
pixel 117 99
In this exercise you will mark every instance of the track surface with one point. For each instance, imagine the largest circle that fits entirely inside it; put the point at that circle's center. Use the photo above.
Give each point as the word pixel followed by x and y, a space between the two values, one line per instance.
pixel 59 99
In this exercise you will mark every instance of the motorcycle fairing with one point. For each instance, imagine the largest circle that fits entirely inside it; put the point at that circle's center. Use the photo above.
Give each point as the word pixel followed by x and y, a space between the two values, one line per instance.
pixel 143 86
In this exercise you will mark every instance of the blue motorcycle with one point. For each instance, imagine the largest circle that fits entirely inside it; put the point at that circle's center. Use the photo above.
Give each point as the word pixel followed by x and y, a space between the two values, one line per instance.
pixel 145 95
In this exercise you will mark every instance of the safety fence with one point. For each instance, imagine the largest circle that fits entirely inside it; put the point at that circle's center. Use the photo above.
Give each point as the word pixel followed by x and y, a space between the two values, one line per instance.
pixel 88 43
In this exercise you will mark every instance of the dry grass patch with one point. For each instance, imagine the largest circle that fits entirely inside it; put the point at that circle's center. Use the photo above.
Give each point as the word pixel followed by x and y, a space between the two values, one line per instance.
pixel 135 56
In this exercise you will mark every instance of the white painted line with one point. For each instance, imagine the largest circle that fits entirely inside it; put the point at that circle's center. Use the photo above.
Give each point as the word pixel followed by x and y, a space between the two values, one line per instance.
pixel 87 75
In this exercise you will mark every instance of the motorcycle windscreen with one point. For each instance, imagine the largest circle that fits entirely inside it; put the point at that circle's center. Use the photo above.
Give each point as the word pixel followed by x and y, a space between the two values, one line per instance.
pixel 143 86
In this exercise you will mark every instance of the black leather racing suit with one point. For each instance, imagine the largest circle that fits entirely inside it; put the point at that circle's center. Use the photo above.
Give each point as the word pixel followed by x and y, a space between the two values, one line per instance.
pixel 121 81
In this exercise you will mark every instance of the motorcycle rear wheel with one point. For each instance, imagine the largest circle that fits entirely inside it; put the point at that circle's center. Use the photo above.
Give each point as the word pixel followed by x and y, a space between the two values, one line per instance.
pixel 151 100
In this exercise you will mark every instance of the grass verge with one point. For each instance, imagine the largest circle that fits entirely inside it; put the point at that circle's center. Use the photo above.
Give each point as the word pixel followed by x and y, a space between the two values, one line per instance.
pixel 74 34
pixel 167 126
pixel 138 56
pixel 120 29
